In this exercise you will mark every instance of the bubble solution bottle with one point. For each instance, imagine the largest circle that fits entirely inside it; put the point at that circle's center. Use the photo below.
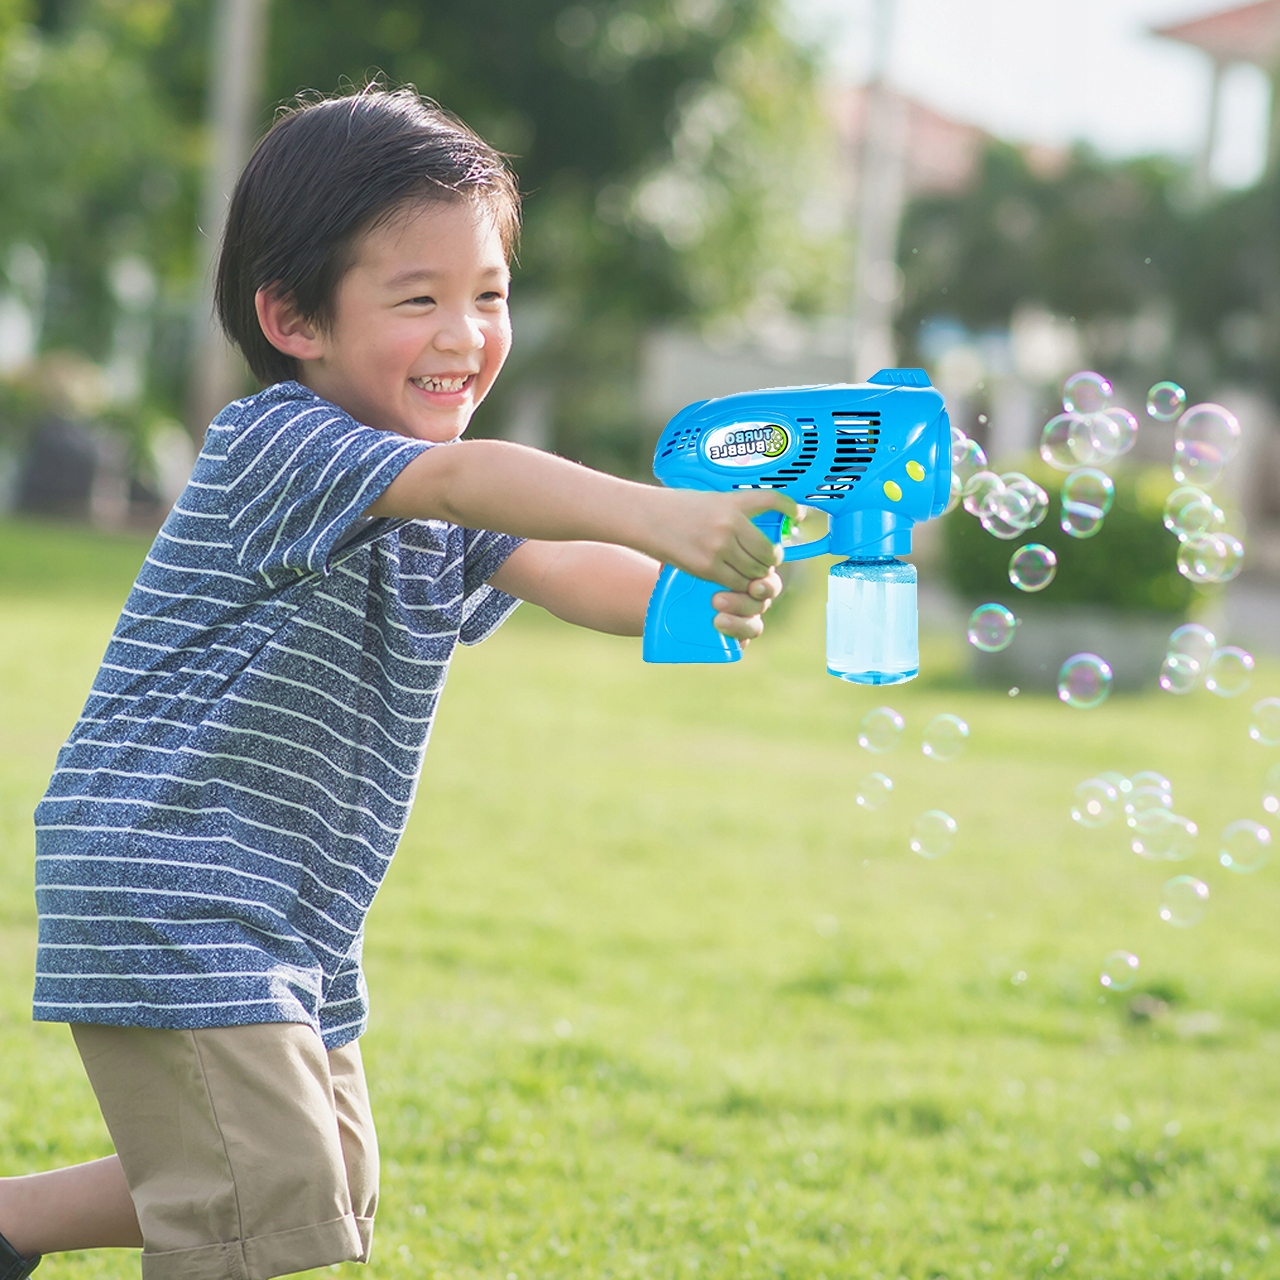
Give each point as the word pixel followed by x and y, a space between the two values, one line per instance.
pixel 872 632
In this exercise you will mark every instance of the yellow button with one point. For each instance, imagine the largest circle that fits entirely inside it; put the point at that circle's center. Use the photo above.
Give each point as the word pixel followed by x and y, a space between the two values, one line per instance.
pixel 892 491
pixel 915 470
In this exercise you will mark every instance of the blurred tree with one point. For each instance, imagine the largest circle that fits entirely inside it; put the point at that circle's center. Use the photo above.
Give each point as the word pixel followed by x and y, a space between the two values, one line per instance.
pixel 1157 281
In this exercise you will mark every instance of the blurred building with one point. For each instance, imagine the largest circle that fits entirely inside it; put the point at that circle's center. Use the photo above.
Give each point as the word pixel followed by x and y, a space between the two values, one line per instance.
pixel 1247 33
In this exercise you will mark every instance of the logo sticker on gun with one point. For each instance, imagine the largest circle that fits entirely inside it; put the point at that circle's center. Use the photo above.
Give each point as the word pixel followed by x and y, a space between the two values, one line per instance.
pixel 746 444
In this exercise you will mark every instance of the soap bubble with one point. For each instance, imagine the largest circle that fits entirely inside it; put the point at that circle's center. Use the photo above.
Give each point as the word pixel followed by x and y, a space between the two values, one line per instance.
pixel 1179 674
pixel 967 458
pixel 991 628
pixel 1056 446
pixel 1087 495
pixel 1194 641
pixel 1162 836
pixel 1144 798
pixel 1165 401
pixel 977 488
pixel 953 499
pixel 1124 433
pixel 1097 803
pixel 1032 568
pixel 933 834
pixel 1211 557
pixel 1037 501
pixel 944 738
pixel 1190 512
pixel 880 730
pixel 1245 846
pixel 1206 439
pixel 1084 681
pixel 1183 901
pixel 1119 970
pixel 1228 672
pixel 1013 506
pixel 1150 778
pixel 1271 790
pixel 1117 780
pixel 1264 727
pixel 874 791
pixel 1086 392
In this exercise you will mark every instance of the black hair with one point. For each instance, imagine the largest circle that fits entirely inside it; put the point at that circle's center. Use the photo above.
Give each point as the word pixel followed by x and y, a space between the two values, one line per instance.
pixel 326 172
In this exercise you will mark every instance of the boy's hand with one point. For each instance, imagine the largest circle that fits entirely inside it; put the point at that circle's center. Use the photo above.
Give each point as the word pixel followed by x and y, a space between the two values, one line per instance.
pixel 741 613
pixel 710 535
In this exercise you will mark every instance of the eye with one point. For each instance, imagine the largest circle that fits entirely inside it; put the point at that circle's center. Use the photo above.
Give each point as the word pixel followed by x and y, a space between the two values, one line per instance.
pixel 423 300
pixel 493 295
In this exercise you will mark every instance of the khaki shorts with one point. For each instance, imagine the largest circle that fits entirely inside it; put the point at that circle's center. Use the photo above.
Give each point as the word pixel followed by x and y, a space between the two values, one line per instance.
pixel 249 1151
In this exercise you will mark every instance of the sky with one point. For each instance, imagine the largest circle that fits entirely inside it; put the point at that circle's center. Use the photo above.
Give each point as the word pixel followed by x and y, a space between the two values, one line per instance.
pixel 1056 71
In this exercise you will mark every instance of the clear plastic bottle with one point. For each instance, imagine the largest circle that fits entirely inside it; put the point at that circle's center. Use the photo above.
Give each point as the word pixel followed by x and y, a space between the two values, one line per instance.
pixel 872 629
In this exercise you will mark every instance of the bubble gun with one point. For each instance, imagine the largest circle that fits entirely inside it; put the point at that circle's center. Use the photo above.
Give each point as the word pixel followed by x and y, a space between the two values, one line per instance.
pixel 874 456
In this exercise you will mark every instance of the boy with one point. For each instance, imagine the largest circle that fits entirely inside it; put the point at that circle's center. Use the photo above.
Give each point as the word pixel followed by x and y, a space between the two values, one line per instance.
pixel 226 806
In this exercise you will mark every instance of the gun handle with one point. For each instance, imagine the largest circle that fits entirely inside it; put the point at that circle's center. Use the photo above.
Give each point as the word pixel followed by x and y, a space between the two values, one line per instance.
pixel 678 623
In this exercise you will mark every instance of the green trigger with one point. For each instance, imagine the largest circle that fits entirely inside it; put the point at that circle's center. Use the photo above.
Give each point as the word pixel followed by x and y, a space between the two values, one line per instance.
pixel 786 527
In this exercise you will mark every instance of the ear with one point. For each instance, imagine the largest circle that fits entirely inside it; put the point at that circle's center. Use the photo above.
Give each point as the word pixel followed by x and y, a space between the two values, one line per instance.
pixel 285 328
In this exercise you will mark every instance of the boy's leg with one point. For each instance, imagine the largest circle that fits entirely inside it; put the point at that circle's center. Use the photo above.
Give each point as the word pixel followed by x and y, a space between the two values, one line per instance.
pixel 84 1206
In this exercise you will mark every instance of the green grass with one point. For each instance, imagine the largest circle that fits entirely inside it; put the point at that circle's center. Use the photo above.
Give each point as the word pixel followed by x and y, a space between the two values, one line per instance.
pixel 653 997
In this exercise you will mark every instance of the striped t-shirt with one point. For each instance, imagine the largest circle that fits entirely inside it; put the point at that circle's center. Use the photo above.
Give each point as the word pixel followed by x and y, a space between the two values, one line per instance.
pixel 228 802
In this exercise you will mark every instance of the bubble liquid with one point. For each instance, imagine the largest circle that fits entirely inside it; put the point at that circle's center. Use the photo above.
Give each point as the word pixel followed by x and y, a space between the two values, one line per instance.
pixel 872 629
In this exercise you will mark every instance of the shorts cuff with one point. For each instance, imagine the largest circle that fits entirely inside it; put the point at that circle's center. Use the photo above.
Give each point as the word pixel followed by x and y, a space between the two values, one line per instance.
pixel 345 1239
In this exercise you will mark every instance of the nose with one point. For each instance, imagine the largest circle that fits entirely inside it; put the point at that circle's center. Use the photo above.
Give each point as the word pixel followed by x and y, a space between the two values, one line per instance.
pixel 460 334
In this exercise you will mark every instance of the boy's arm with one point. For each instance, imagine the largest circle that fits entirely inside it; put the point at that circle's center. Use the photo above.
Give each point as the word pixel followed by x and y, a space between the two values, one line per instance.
pixel 607 588
pixel 506 487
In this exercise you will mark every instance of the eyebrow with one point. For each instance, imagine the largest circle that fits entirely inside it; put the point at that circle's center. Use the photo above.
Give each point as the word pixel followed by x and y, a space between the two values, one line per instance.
pixel 416 274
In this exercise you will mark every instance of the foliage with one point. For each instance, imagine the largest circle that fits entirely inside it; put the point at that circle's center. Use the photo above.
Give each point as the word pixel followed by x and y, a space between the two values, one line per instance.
pixel 1156 275
pixel 653 998
pixel 1130 563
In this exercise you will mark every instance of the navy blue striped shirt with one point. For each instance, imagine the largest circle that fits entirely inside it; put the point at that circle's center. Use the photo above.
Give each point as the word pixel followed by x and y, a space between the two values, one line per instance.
pixel 229 800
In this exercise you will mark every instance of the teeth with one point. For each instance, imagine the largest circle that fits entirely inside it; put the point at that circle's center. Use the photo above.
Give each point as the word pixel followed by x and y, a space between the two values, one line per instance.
pixel 441 384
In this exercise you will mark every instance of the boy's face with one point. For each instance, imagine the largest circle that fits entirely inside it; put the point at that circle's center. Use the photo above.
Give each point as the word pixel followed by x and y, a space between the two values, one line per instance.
pixel 420 325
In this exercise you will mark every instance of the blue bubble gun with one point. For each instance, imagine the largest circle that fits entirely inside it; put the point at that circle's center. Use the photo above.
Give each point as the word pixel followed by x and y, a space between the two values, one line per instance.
pixel 874 456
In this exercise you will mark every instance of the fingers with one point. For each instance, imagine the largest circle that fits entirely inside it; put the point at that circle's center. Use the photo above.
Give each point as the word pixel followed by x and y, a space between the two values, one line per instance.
pixel 730 624
pixel 754 502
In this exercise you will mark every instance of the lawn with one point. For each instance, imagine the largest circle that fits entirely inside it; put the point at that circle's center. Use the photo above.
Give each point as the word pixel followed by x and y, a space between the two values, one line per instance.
pixel 653 997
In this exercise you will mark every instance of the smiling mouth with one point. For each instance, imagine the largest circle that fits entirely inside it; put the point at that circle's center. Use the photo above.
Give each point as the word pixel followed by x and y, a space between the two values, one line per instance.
pixel 442 384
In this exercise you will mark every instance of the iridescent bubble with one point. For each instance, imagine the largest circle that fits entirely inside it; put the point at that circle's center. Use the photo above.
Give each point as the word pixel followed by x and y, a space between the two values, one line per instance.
pixel 874 791
pixel 1119 970
pixel 1229 672
pixel 1245 846
pixel 1056 446
pixel 1271 790
pixel 1086 392
pixel 1125 433
pixel 1206 439
pixel 967 458
pixel 1157 781
pixel 1161 836
pixel 1211 557
pixel 1183 901
pixel 1179 674
pixel 977 490
pixel 991 628
pixel 1264 727
pixel 1194 641
pixel 1036 500
pixel 1084 681
pixel 1032 568
pixel 1117 780
pixel 1190 512
pixel 1145 798
pixel 953 501
pixel 1087 495
pixel 944 738
pixel 1165 401
pixel 933 834
pixel 880 730
pixel 1097 802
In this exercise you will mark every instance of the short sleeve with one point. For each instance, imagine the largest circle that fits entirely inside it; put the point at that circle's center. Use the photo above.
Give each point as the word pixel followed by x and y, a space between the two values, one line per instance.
pixel 484 608
pixel 298 477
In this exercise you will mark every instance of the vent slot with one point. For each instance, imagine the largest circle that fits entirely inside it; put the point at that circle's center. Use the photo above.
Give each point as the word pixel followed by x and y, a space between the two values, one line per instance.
pixel 792 472
pixel 857 439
